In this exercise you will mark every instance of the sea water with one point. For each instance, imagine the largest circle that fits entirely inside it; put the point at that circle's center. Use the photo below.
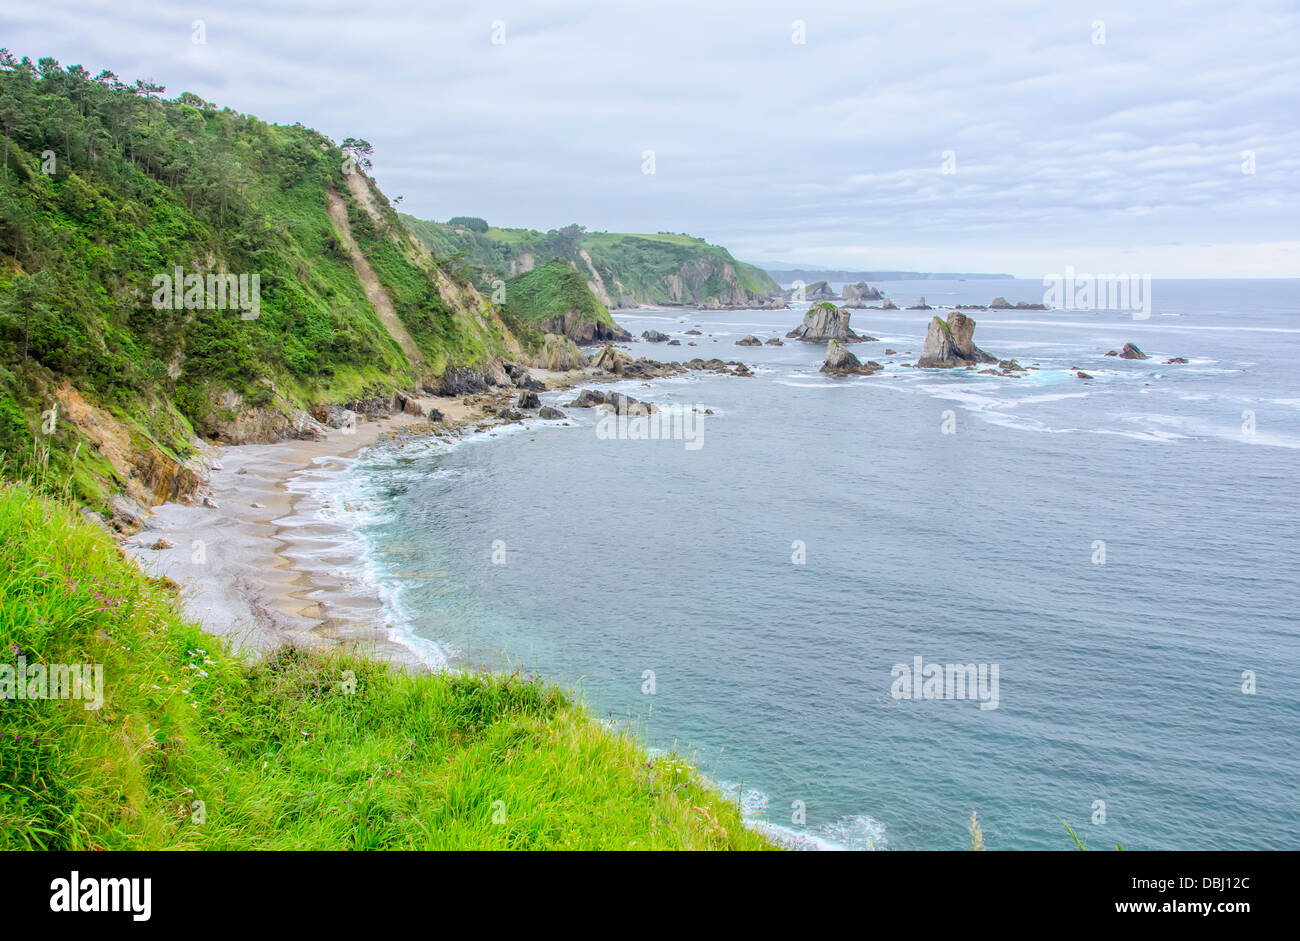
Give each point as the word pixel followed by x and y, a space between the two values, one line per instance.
pixel 1122 549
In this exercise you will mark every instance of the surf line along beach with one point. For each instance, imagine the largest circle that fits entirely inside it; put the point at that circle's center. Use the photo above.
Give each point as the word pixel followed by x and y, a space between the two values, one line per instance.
pixel 266 557
pixel 263 563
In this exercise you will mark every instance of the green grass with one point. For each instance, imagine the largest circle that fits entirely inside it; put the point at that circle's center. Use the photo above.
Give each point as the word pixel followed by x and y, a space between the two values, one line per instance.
pixel 300 750
pixel 552 290
pixel 645 266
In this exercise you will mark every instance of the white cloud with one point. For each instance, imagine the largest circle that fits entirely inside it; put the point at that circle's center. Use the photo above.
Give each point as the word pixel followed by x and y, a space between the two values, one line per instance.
pixel 830 150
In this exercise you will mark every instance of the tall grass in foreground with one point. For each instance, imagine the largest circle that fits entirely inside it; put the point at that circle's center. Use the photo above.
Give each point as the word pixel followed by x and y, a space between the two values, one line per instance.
pixel 197 749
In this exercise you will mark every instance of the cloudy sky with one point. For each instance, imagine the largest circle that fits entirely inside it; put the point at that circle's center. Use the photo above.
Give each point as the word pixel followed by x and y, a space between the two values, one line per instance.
pixel 995 136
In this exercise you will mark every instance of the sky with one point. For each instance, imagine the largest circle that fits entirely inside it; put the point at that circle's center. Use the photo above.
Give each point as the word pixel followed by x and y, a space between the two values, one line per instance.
pixel 1158 138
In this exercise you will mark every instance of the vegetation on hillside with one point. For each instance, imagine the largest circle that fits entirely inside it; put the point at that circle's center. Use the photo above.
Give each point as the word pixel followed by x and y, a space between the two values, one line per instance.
pixel 624 270
pixel 195 749
pixel 107 185
pixel 550 292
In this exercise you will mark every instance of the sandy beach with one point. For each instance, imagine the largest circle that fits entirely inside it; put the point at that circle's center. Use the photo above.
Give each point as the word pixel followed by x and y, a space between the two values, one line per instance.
pixel 260 564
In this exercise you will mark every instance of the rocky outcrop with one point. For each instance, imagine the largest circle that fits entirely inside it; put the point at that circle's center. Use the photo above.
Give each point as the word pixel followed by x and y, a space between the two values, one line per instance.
pixel 461 381
pixel 857 295
pixel 654 336
pixel 588 398
pixel 528 399
pixel 581 329
pixel 559 354
pixel 749 340
pixel 951 343
pixel 621 404
pixel 551 414
pixel 1000 303
pixel 818 291
pixel 825 322
pixel 840 362
pixel 774 341
pixel 1132 352
pixel 611 360
pixel 1175 360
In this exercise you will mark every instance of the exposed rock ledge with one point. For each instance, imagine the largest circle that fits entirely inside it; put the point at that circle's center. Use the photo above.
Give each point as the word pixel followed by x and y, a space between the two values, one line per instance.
pixel 951 344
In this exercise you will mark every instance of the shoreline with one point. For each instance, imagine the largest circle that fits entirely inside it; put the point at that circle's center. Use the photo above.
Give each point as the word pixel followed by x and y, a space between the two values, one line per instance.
pixel 264 558
pixel 241 563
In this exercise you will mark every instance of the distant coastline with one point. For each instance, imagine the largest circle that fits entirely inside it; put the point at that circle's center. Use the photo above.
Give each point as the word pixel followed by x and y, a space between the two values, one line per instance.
pixel 787 275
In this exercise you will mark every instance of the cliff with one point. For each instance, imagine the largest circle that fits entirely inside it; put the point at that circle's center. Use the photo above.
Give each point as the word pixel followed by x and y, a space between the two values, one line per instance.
pixel 622 270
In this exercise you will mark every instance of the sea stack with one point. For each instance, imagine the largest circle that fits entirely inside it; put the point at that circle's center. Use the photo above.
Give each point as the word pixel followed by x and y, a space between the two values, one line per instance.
pixel 824 322
pixel 950 344
pixel 840 362
pixel 857 295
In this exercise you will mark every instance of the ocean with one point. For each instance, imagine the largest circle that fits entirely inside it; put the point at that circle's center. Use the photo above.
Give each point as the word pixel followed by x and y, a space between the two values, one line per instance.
pixel 1121 550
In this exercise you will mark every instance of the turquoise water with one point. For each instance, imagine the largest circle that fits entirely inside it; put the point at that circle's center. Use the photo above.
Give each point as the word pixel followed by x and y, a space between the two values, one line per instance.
pixel 1118 682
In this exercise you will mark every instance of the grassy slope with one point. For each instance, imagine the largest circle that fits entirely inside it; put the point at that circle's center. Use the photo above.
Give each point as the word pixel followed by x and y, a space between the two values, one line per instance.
pixel 140 185
pixel 552 290
pixel 639 262
pixel 279 753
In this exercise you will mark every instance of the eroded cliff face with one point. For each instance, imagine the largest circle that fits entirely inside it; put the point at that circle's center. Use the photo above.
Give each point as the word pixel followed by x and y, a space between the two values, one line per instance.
pixel 708 283
pixel 149 474
pixel 580 329
pixel 949 344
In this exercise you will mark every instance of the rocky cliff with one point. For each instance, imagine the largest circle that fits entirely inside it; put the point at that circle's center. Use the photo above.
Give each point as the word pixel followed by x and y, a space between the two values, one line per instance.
pixel 951 343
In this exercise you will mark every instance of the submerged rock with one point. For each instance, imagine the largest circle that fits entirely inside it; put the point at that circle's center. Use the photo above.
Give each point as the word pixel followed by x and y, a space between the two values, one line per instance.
pixel 840 362
pixel 951 343
pixel 1176 359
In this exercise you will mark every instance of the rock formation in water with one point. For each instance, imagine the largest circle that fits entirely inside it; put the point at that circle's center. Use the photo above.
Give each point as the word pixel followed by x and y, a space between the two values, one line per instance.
pixel 749 340
pixel 654 336
pixel 840 362
pixel 1131 352
pixel 818 291
pixel 825 322
pixel 951 344
pixel 857 295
